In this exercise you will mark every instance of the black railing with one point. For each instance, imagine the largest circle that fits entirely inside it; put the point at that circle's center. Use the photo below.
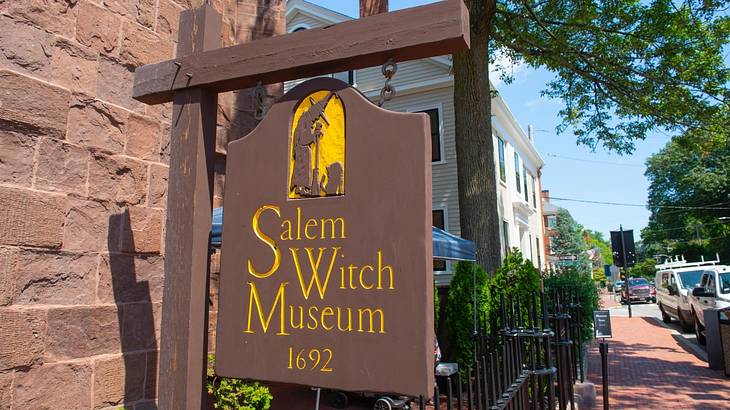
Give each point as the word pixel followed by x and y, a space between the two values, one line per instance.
pixel 527 355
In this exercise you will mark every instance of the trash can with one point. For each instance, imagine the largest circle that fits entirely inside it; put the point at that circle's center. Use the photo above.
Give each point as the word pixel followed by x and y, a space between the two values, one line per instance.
pixel 725 337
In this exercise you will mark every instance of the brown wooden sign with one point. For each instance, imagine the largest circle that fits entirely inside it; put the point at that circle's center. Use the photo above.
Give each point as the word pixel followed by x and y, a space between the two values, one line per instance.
pixel 326 259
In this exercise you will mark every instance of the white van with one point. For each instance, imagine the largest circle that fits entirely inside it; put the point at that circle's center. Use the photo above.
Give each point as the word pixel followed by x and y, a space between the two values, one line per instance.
pixel 675 279
pixel 713 291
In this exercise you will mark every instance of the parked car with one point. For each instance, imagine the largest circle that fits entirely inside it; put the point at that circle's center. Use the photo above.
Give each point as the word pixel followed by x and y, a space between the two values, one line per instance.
pixel 618 286
pixel 674 281
pixel 638 289
pixel 713 291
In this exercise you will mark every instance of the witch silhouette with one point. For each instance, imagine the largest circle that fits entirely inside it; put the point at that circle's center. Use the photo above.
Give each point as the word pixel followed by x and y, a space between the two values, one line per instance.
pixel 308 131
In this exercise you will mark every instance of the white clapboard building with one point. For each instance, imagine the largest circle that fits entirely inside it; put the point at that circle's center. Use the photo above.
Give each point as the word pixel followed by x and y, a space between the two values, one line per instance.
pixel 427 86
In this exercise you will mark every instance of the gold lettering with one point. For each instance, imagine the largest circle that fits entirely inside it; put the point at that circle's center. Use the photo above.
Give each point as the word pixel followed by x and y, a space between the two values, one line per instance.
pixel 254 297
pixel 326 311
pixel 362 282
pixel 301 317
pixel 267 240
pixel 308 225
pixel 286 230
pixel 299 223
pixel 332 223
pixel 350 268
pixel 321 287
pixel 381 268
pixel 342 275
pixel 349 320
pixel 371 313
pixel 312 324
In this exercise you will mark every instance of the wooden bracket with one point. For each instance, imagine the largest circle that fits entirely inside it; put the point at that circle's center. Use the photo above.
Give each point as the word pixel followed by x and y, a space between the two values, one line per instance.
pixel 419 32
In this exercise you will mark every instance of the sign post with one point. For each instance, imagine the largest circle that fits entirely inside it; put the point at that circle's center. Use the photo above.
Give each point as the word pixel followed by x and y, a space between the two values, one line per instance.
pixel 602 330
pixel 192 82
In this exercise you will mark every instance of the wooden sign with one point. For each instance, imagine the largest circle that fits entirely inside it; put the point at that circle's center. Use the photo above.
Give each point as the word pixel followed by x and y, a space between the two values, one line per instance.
pixel 326 258
pixel 602 324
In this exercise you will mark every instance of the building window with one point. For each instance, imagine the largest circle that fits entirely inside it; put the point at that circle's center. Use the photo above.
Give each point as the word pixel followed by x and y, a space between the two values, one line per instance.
pixel 502 166
pixel 552 220
pixel 524 182
pixel 439 221
pixel 345 76
pixel 551 244
pixel 534 191
pixel 505 236
pixel 517 173
pixel 433 115
pixel 539 258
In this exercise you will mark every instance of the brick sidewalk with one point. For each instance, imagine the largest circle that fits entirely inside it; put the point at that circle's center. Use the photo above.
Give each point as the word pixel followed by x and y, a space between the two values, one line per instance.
pixel 608 300
pixel 649 369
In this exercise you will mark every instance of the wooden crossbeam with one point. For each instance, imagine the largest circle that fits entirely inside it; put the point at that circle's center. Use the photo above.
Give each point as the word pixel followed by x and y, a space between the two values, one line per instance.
pixel 420 32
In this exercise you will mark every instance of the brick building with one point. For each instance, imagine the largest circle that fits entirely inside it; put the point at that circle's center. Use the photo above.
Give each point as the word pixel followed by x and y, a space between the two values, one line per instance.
pixel 83 181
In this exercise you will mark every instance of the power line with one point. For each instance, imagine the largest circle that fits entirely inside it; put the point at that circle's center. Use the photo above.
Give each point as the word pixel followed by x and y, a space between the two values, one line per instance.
pixel 640 205
pixel 683 210
pixel 595 161
pixel 693 226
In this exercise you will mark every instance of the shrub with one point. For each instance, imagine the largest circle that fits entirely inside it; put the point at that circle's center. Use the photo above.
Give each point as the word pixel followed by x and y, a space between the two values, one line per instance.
pixel 571 281
pixel 459 310
pixel 517 279
pixel 236 394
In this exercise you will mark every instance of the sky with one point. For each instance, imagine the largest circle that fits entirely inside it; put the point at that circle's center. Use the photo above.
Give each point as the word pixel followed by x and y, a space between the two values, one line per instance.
pixel 570 171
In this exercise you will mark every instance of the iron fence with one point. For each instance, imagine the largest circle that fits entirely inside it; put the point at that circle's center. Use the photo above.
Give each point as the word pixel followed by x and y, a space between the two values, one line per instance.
pixel 527 355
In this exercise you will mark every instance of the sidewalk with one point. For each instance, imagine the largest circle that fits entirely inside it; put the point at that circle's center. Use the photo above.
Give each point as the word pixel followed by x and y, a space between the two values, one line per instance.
pixel 649 369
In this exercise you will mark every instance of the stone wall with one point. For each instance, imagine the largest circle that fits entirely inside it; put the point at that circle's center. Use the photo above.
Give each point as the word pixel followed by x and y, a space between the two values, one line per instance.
pixel 83 183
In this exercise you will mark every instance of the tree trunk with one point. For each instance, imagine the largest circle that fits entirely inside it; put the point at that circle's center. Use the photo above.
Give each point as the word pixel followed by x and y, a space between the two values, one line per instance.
pixel 372 7
pixel 478 213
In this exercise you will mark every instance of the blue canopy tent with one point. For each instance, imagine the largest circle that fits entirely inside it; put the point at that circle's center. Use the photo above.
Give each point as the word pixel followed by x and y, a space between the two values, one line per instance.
pixel 445 245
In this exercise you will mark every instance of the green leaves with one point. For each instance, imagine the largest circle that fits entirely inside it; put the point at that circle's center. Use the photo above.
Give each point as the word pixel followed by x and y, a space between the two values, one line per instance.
pixel 691 171
pixel 623 67
pixel 568 238
pixel 235 394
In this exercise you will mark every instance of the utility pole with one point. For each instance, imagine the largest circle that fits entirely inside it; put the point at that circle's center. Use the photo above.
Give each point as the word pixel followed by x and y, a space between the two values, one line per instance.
pixel 627 283
pixel 697 231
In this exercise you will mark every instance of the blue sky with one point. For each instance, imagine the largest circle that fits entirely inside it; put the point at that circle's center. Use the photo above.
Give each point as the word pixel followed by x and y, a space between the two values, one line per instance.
pixel 570 171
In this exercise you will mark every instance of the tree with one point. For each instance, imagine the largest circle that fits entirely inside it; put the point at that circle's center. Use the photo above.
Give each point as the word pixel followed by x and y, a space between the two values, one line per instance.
pixel 622 67
pixel 689 196
pixel 603 254
pixel 645 268
pixel 595 240
pixel 568 240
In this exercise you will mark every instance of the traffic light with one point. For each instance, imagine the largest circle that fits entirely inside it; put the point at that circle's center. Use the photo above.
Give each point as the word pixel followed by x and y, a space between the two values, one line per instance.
pixel 619 259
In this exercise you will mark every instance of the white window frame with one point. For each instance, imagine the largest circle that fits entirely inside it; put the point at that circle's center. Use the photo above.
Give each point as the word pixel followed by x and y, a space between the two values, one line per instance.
pixel 506 167
pixel 505 231
pixel 445 210
pixel 300 26
pixel 518 178
pixel 440 108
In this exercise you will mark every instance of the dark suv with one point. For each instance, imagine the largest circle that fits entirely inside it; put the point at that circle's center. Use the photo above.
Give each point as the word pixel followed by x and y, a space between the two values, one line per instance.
pixel 639 289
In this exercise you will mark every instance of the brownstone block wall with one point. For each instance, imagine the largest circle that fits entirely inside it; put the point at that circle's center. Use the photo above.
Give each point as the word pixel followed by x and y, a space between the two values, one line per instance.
pixel 83 191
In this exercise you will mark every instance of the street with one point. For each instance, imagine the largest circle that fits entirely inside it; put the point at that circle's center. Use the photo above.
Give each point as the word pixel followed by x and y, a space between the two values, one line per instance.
pixel 652 364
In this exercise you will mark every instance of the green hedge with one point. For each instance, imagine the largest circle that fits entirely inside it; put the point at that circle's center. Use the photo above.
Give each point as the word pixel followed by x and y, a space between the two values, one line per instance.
pixel 574 282
pixel 517 279
pixel 459 311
